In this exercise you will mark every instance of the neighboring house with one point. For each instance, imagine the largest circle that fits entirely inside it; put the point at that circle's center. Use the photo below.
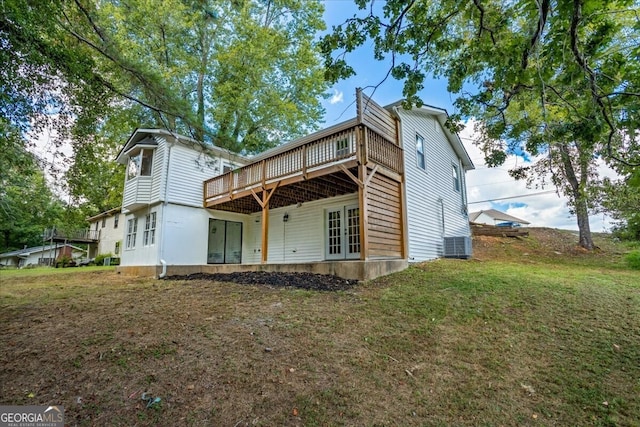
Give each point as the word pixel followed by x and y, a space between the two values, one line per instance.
pixel 39 255
pixel 495 217
pixel 109 229
pixel 359 199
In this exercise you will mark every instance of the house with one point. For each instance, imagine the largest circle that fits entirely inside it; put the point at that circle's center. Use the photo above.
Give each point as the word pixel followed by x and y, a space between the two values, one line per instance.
pixel 107 226
pixel 39 255
pixel 359 199
pixel 495 217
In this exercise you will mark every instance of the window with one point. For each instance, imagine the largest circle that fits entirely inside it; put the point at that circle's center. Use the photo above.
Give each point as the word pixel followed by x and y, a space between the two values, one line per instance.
pixel 342 147
pixel 132 229
pixel 116 219
pixel 456 178
pixel 421 161
pixel 149 237
pixel 104 222
pixel 227 168
pixel 140 164
pixel 117 248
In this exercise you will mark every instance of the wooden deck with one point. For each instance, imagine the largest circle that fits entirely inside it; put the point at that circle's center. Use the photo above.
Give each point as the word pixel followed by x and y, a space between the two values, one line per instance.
pixel 362 156
pixel 74 236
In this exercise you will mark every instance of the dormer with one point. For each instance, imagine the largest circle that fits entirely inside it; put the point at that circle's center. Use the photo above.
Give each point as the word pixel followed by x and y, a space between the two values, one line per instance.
pixel 163 166
pixel 142 155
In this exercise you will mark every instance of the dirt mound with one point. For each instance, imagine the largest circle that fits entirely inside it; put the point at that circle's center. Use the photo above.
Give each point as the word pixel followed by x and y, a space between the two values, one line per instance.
pixel 309 281
pixel 541 243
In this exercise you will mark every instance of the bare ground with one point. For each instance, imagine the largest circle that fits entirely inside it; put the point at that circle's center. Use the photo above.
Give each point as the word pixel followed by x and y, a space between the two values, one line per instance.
pixel 221 353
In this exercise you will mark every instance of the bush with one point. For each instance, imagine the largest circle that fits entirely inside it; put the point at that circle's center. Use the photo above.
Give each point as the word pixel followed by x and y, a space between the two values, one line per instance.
pixel 99 260
pixel 633 259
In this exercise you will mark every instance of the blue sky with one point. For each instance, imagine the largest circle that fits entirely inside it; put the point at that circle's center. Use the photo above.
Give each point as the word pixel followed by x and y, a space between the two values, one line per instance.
pixel 483 183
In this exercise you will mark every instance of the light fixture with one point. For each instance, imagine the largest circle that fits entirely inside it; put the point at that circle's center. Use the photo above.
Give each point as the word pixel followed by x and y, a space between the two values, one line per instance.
pixel 285 218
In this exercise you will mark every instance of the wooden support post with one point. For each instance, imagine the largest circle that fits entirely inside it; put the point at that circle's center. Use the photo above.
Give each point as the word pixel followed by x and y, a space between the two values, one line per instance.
pixel 264 204
pixel 363 210
pixel 265 227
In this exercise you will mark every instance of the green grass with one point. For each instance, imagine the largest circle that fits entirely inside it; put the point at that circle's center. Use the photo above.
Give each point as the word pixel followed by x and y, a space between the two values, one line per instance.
pixel 533 340
pixel 47 271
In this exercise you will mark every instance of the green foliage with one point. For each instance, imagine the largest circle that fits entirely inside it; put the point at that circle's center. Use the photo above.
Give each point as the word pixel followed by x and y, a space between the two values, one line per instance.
pixel 99 260
pixel 557 81
pixel 633 259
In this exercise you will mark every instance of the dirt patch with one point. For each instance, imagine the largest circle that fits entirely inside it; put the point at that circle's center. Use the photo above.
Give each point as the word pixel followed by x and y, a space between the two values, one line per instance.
pixel 308 281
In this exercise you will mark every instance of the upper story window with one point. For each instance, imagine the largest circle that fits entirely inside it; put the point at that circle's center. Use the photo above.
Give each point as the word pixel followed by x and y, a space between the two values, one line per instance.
pixel 342 147
pixel 116 219
pixel 456 178
pixel 140 163
pixel 104 222
pixel 421 160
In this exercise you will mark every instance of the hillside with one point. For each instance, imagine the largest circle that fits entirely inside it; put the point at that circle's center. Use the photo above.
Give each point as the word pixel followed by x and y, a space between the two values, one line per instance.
pixel 545 244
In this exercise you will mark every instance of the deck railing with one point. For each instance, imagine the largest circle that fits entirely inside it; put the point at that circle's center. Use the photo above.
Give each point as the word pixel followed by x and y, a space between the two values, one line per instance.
pixel 332 149
pixel 73 235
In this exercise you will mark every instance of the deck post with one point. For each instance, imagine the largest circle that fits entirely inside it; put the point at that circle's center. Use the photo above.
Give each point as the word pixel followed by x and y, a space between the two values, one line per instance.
pixel 364 222
pixel 265 226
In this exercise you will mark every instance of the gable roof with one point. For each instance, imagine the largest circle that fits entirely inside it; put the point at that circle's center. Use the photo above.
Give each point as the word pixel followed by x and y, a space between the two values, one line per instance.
pixel 442 116
pixel 35 249
pixel 496 215
pixel 105 214
pixel 148 137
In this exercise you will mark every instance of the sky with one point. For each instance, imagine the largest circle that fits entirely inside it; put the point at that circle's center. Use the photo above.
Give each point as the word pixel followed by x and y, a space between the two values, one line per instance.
pixel 484 185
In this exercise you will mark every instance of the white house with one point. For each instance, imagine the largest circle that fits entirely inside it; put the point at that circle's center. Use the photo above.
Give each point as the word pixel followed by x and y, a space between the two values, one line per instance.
pixel 39 255
pixel 109 229
pixel 495 217
pixel 358 199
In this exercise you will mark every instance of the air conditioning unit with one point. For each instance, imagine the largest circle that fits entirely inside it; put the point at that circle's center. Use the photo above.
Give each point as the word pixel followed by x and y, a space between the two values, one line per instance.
pixel 457 247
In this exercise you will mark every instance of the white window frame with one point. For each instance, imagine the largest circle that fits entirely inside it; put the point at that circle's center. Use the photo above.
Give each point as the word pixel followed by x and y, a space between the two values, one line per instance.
pixel 132 230
pixel 140 163
pixel 419 154
pixel 457 182
pixel 149 235
pixel 116 220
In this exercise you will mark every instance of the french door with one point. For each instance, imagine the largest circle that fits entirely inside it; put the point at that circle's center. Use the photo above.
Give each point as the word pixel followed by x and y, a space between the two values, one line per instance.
pixel 225 242
pixel 342 233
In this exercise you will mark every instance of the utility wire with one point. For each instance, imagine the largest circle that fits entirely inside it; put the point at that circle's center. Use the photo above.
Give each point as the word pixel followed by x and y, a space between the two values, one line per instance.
pixel 513 197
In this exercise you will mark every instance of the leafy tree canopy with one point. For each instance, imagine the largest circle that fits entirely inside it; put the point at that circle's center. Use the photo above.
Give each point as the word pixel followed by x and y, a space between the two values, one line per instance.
pixel 558 80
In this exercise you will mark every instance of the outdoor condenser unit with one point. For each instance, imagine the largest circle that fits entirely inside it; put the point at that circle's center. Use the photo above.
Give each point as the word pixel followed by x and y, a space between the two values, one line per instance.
pixel 457 247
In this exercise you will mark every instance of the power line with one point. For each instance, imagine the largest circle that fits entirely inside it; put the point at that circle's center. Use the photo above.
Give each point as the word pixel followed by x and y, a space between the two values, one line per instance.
pixel 513 197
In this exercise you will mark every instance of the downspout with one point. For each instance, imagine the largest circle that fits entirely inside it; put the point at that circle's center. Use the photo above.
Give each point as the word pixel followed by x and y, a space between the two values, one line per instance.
pixel 163 274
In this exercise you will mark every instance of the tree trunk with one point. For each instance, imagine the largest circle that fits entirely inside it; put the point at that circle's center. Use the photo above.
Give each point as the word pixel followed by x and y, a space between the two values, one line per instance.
pixel 582 213
pixel 578 197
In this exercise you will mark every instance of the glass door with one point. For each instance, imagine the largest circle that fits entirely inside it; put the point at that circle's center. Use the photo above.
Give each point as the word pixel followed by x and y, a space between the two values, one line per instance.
pixel 342 233
pixel 225 242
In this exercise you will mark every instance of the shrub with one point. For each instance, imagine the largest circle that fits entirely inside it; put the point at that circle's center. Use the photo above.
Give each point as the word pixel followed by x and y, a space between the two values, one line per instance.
pixel 633 259
pixel 99 260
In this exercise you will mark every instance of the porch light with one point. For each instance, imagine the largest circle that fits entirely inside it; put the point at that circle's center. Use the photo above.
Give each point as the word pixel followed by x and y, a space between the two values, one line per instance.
pixel 285 218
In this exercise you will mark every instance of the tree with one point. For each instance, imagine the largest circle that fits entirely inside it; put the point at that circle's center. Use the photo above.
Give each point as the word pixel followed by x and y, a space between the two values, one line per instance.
pixel 557 80
pixel 244 75
pixel 27 206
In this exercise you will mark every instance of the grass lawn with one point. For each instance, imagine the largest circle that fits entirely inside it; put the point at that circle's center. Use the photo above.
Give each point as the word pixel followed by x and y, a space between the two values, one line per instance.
pixel 529 332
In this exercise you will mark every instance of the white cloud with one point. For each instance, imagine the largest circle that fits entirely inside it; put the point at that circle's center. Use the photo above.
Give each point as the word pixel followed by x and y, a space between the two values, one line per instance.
pixel 486 184
pixel 338 97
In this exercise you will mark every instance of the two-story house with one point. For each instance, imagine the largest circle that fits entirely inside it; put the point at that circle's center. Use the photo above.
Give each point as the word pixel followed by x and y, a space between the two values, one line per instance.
pixel 359 199
pixel 108 229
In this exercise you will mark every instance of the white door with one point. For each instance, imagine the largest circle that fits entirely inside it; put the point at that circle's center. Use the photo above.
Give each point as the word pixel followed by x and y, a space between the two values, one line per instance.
pixel 342 233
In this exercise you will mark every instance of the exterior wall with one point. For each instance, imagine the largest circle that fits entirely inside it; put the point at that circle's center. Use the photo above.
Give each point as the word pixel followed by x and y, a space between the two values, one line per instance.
pixel 485 219
pixel 141 254
pixel 384 212
pixel 109 234
pixel 187 170
pixel 300 239
pixel 434 209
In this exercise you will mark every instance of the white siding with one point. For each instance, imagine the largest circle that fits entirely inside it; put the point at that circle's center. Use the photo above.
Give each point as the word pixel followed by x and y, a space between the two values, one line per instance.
pixel 109 234
pixel 188 169
pixel 300 239
pixel 430 192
